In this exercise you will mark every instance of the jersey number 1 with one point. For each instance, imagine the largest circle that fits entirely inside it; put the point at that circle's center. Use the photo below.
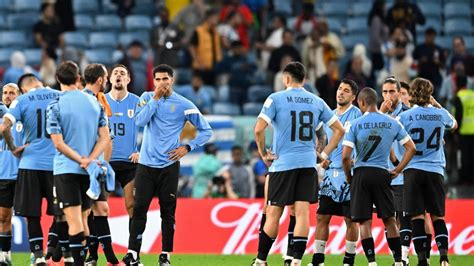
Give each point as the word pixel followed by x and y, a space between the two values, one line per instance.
pixel 305 121
pixel 40 123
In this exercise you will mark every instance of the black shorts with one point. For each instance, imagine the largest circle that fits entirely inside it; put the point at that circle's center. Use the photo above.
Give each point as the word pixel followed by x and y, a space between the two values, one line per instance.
pixel 327 206
pixel 31 187
pixel 424 191
pixel 71 190
pixel 7 193
pixel 398 197
pixel 124 172
pixel 371 186
pixel 286 187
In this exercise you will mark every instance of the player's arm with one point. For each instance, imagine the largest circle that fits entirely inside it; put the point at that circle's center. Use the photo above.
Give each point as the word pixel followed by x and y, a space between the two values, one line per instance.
pixel 259 133
pixel 347 162
pixel 321 138
pixel 65 149
pixel 393 157
pixel 337 134
pixel 101 143
pixel 5 131
pixel 146 113
pixel 410 150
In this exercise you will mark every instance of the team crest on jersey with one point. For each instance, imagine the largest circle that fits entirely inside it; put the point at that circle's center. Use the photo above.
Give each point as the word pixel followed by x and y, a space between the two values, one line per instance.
pixel 19 127
pixel 130 113
pixel 142 103
pixel 172 108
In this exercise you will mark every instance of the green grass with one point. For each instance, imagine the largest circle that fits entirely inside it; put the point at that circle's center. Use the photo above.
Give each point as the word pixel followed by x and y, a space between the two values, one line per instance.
pixel 234 260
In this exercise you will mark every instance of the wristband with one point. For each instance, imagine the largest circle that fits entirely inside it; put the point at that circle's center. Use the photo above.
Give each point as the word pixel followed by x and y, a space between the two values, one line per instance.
pixel 187 147
pixel 323 155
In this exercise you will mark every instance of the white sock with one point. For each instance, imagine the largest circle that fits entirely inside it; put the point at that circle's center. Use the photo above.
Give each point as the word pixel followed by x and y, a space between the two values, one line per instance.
pixel 319 246
pixel 351 246
pixel 405 251
pixel 259 261
pixel 286 257
pixel 134 253
pixel 373 264
pixel 296 262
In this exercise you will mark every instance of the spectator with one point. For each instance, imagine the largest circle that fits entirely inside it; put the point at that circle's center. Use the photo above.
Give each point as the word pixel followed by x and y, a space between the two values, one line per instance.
pixel 136 62
pixel 328 83
pixel 398 51
pixel 229 29
pixel 124 7
pixel 245 22
pixel 430 59
pixel 278 84
pixel 360 51
pixel 449 87
pixel 197 94
pixel 48 31
pixel 406 15
pixel 313 58
pixel 220 188
pixel 166 40
pixel 404 95
pixel 274 40
pixel 461 54
pixel 189 18
pixel 258 8
pixel 306 22
pixel 65 13
pixel 288 48
pixel 205 47
pixel 464 104
pixel 205 169
pixel 48 67
pixel 356 72
pixel 333 46
pixel 378 33
pixel 260 170
pixel 17 68
pixel 240 174
pixel 240 70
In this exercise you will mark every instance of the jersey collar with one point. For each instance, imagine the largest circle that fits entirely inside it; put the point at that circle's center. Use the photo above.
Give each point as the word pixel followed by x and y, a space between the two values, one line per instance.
pixel 347 110
pixel 115 100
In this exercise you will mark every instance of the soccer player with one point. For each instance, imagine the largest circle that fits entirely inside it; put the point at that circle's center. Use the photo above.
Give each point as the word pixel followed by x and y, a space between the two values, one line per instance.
pixel 35 174
pixel 294 114
pixel 96 78
pixel 8 174
pixel 423 190
pixel 371 136
pixel 163 117
pixel 404 96
pixel 124 149
pixel 76 149
pixel 334 195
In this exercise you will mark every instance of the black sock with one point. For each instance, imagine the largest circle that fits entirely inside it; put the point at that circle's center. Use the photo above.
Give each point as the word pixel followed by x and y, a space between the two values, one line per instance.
pixel 396 248
pixel 52 239
pixel 442 238
pixel 6 241
pixel 405 230
pixel 429 237
pixel 264 245
pixel 63 236
pixel 77 249
pixel 349 258
pixel 291 228
pixel 299 246
pixel 93 242
pixel 419 239
pixel 103 234
pixel 35 236
pixel 369 248
pixel 262 222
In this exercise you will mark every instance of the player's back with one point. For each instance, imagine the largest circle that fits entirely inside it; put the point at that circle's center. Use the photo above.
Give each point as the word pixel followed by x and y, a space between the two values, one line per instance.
pixel 372 136
pixel 294 115
pixel 79 124
pixel 426 126
pixel 30 109
pixel 123 126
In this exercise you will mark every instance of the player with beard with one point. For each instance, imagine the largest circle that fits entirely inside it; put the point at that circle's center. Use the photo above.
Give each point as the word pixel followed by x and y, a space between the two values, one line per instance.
pixel 334 195
pixel 96 77
pixel 125 154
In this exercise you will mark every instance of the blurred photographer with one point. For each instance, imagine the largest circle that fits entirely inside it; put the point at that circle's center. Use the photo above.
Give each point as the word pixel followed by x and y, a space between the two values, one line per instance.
pixel 220 187
pixel 398 53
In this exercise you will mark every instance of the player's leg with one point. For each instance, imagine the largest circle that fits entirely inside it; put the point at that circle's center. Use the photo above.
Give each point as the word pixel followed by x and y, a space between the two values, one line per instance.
pixel 352 235
pixel 435 205
pixel 367 240
pixel 7 189
pixel 264 210
pixel 403 221
pixel 291 228
pixel 128 194
pixel 100 209
pixel 144 192
pixel 429 236
pixel 168 189
pixel 321 237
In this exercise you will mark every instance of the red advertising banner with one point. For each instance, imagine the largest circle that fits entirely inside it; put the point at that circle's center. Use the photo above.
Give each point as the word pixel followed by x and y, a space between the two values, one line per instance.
pixel 231 227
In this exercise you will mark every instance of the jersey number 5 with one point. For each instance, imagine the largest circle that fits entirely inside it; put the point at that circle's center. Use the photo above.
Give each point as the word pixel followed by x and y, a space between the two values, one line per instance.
pixel 305 125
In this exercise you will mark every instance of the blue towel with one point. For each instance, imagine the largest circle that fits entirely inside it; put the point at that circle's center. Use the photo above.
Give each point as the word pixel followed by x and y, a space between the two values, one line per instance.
pixel 96 169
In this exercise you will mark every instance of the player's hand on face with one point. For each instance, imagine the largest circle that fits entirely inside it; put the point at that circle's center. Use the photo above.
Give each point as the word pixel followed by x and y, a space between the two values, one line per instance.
pixel 19 150
pixel 134 157
pixel 386 106
pixel 160 91
pixel 177 153
pixel 269 157
pixel 434 102
pixel 84 162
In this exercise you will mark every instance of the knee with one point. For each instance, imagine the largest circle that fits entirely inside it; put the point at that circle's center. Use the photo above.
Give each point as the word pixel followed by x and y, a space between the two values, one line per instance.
pixel 322 220
pixel 101 208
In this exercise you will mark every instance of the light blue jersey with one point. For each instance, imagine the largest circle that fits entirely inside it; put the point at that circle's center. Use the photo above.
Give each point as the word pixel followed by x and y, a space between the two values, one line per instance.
pixel 122 123
pixel 372 135
pixel 163 120
pixel 3 110
pixel 426 126
pixel 8 162
pixel 397 148
pixel 30 110
pixel 295 114
pixel 79 124
pixel 334 184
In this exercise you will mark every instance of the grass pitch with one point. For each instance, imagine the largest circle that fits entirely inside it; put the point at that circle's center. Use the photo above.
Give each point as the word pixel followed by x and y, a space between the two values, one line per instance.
pixel 236 260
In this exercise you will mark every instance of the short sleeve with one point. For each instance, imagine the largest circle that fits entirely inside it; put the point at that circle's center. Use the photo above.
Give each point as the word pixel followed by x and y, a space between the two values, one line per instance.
pixel 268 111
pixel 53 125
pixel 448 119
pixel 14 113
pixel 350 137
pixel 327 116
pixel 402 135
